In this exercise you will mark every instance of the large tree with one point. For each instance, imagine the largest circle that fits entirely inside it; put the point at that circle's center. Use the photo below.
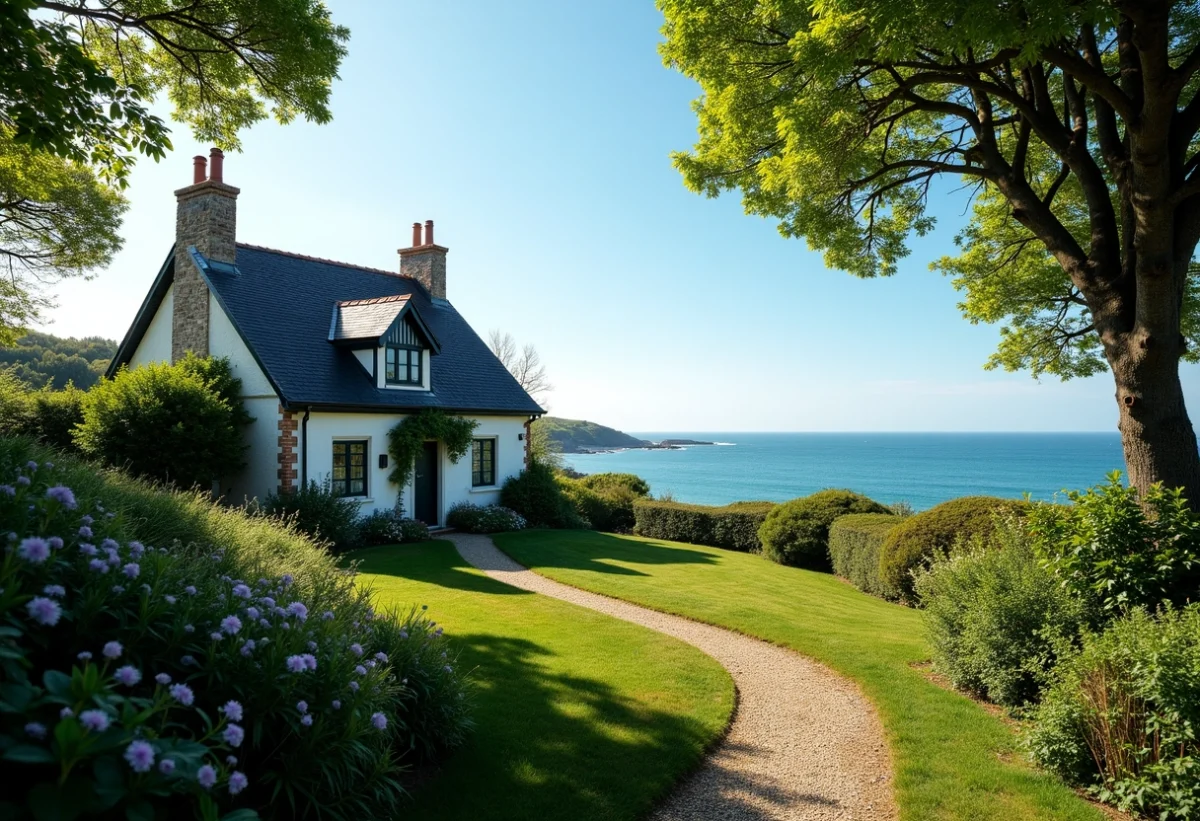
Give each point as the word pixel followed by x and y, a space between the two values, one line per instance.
pixel 1072 122
pixel 76 80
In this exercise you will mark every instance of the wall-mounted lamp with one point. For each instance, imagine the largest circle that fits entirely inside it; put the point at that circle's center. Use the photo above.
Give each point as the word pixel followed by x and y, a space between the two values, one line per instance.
pixel 382 460
pixel 520 437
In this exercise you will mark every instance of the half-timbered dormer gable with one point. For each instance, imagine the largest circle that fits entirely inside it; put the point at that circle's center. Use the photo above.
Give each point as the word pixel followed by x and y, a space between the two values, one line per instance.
pixel 389 339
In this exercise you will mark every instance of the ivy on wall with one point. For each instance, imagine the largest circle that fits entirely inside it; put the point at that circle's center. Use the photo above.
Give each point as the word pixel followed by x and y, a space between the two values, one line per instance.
pixel 407 437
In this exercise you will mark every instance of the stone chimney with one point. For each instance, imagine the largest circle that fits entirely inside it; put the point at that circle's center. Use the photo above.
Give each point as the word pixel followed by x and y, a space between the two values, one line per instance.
pixel 205 219
pixel 425 262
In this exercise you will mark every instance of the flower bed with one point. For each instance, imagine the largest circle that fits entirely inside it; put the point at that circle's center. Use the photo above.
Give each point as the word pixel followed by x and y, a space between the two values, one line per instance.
pixel 186 680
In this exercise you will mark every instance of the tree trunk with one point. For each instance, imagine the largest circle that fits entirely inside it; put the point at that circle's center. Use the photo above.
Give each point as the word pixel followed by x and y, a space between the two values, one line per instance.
pixel 1159 442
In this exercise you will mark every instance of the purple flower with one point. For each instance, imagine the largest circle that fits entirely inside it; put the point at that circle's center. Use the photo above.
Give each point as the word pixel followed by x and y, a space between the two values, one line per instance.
pixel 231 760
pixel 328 615
pixel 237 782
pixel 354 686
pixel 379 720
pixel 306 720
pixel 362 671
pixel 131 570
pixel 116 588
pixel 448 669
pixel 302 706
pixel 336 704
pixel 267 601
pixel 55 542
pixel 310 661
pixel 312 645
pixel 31 465
pixel 298 610
pixel 233 735
pixel 215 636
pixel 190 590
pixel 295 664
pixel 94 720
pixel 404 634
pixel 140 756
pixel 87 549
pixel 163 679
pixel 24 481
pixel 247 647
pixel 242 591
pixel 169 599
pixel 287 579
pixel 252 612
pixel 285 625
pixel 85 532
pixel 8 490
pixel 231 624
pixel 356 649
pixel 166 766
pixel 44 611
pixel 232 710
pixel 34 550
pixel 36 730
pixel 85 519
pixel 136 549
pixel 110 545
pixel 381 658
pixel 188 661
pixel 183 694
pixel 113 649
pixel 98 566
pixel 189 628
pixel 264 623
pixel 207 776
pixel 128 675
pixel 62 495
pixel 84 656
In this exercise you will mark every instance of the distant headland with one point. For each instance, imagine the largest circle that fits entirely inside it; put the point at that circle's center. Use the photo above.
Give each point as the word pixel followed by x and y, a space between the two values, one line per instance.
pixel 581 436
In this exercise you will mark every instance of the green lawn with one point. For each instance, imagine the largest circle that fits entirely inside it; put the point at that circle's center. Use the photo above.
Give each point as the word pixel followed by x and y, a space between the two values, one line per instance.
pixel 953 759
pixel 578 715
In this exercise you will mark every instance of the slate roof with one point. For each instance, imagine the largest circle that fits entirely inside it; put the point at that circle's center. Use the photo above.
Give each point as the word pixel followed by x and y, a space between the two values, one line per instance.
pixel 281 304
pixel 366 318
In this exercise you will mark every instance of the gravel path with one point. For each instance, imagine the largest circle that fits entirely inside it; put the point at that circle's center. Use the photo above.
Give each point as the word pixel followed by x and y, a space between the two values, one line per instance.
pixel 804 743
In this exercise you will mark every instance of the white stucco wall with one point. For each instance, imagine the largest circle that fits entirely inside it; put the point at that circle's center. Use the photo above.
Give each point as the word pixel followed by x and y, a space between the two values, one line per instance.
pixel 260 476
pixel 156 342
pixel 454 479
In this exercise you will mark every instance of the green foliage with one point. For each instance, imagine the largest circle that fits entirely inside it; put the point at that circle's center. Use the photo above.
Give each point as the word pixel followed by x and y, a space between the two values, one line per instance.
pixel 605 500
pixel 316 511
pixel 169 609
pixel 1122 715
pixel 46 415
pixel 167 422
pixel 537 496
pixel 56 221
pixel 797 532
pixel 410 433
pixel 577 435
pixel 854 544
pixel 471 518
pixel 1122 548
pixel 733 527
pixel 390 527
pixel 920 538
pixel 543 449
pixel 997 618
pixel 41 360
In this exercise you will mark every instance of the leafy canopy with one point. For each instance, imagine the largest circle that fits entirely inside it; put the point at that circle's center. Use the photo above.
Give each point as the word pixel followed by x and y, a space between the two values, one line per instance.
pixel 410 433
pixel 837 117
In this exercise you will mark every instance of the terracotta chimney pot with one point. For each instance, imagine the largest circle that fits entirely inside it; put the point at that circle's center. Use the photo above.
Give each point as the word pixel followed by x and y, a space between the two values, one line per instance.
pixel 218 165
pixel 199 166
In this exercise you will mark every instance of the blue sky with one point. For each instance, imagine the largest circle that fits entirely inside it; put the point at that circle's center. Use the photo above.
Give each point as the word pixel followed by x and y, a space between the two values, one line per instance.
pixel 537 135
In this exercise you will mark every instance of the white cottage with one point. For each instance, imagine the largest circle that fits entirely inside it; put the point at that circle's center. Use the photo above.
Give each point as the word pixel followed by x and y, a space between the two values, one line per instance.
pixel 331 356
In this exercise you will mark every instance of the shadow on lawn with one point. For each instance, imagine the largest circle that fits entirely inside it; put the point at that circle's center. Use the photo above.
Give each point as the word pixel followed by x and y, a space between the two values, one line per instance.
pixel 390 561
pixel 555 745
pixel 594 551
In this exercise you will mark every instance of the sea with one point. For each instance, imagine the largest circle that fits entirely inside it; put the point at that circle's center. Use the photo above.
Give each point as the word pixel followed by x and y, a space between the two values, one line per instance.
pixel 922 469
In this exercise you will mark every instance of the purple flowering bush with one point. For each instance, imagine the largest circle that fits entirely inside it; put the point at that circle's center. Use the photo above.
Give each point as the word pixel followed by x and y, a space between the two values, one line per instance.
pixel 189 681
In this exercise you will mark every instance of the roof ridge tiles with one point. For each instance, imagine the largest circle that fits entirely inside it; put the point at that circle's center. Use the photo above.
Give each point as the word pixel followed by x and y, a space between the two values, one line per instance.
pixel 310 258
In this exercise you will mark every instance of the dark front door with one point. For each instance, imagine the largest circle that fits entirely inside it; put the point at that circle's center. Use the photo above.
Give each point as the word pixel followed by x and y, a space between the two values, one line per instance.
pixel 425 484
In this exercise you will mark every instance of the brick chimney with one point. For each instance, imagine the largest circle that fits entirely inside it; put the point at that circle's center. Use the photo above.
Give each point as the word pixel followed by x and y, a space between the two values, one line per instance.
pixel 206 219
pixel 424 261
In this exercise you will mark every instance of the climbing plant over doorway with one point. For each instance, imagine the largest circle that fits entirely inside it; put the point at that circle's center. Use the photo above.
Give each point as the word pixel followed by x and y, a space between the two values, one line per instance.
pixel 406 438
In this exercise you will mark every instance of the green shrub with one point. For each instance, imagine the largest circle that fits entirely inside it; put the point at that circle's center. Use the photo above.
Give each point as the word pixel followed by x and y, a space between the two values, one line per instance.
pixel 166 422
pixel 1125 550
pixel 389 527
pixel 111 631
pixel 316 510
pixel 601 482
pixel 796 533
pixel 606 499
pixel 1123 715
pixel 733 527
pixel 915 541
pixel 854 544
pixel 471 518
pixel 55 416
pixel 537 496
pixel 997 618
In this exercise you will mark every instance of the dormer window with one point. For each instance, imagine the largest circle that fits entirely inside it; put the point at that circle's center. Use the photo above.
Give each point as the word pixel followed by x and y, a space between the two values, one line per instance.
pixel 402 365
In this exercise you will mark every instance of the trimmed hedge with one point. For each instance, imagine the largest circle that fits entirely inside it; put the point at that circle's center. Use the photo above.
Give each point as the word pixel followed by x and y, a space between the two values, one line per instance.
pixel 796 533
pixel 734 527
pixel 605 500
pixel 854 544
pixel 918 539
